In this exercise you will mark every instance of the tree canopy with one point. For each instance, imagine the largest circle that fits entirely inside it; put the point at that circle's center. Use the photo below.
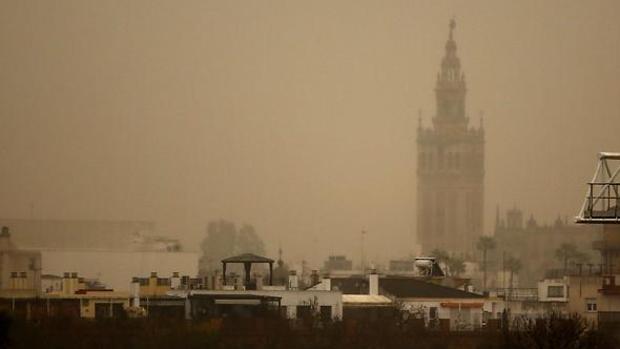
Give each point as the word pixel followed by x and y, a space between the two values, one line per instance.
pixel 485 243
pixel 224 240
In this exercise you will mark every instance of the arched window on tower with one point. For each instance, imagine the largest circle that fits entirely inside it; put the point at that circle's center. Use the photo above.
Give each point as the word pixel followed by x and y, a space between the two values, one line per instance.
pixel 422 159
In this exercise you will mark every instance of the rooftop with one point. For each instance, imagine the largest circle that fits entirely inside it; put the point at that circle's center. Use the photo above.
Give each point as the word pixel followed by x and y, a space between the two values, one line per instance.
pixel 247 258
pixel 402 287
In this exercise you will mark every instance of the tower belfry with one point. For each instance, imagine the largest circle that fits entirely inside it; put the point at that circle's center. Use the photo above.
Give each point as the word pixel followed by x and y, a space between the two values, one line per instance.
pixel 450 165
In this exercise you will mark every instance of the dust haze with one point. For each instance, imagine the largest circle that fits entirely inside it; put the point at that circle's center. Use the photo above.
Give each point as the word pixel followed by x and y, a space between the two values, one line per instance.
pixel 297 118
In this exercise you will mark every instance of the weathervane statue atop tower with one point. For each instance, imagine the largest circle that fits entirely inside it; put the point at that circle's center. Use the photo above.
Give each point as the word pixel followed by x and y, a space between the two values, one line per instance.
pixel 452 26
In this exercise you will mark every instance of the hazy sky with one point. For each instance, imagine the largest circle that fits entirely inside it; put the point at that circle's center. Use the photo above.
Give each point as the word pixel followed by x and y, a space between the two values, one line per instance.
pixel 297 117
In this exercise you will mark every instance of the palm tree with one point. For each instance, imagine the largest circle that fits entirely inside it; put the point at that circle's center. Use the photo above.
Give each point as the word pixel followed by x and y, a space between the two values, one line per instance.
pixel 456 266
pixel 442 257
pixel 568 252
pixel 513 265
pixel 484 244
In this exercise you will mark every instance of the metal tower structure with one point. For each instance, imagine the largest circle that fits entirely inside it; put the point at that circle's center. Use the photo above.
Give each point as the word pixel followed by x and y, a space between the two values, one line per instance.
pixel 602 202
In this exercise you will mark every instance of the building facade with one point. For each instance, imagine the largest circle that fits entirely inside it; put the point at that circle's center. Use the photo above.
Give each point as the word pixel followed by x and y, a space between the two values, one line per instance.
pixel 450 173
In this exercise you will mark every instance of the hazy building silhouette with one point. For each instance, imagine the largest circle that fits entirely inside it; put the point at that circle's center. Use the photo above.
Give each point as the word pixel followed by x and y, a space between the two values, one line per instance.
pixel 450 166
pixel 535 245
pixel 337 263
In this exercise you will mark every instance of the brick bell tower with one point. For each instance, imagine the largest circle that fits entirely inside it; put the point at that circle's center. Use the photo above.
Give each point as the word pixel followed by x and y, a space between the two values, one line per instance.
pixel 450 173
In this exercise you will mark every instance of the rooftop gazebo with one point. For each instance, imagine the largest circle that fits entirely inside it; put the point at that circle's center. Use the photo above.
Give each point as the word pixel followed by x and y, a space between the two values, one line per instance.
pixel 247 259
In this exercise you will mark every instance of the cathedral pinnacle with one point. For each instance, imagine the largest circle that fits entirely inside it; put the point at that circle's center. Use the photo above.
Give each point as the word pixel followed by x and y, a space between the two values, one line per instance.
pixel 451 65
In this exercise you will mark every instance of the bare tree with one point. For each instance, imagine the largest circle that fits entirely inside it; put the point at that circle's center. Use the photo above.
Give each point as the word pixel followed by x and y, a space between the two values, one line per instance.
pixel 223 240
pixel 456 266
pixel 442 257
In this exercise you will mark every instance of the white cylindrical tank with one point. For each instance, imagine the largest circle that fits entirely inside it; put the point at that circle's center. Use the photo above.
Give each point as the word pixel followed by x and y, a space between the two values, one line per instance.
pixel 293 284
pixel 135 294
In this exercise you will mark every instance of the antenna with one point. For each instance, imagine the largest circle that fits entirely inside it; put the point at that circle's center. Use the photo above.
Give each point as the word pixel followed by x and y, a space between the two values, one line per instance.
pixel 363 257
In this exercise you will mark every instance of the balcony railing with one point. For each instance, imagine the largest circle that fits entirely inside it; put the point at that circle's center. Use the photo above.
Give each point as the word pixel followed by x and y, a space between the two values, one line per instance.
pixel 518 294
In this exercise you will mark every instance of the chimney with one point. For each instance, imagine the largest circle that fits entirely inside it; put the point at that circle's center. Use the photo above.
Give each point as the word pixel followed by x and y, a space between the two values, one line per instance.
pixel 135 292
pixel 68 286
pixel 13 280
pixel 292 280
pixel 373 282
pixel 152 279
pixel 239 283
pixel 210 282
pixel 75 282
pixel 326 283
pixel 185 282
pixel 175 280
pixel 217 281
pixel 259 281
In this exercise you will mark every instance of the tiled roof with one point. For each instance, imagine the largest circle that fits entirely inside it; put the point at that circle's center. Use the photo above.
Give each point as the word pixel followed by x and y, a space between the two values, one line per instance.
pixel 365 299
pixel 401 287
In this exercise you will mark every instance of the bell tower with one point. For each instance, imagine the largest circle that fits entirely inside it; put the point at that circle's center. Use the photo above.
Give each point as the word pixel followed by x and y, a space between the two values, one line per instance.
pixel 450 172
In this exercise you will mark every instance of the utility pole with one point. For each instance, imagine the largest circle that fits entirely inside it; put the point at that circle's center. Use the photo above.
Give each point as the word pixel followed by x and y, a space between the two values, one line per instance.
pixel 363 257
pixel 504 275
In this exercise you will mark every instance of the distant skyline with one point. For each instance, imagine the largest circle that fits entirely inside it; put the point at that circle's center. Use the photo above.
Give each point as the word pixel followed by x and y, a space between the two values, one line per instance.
pixel 298 118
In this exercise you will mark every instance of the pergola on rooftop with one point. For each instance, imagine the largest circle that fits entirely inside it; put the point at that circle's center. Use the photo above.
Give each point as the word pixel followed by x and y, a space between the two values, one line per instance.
pixel 247 259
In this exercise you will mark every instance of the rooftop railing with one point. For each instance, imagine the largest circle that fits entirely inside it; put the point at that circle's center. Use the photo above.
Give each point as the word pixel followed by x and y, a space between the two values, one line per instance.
pixel 602 201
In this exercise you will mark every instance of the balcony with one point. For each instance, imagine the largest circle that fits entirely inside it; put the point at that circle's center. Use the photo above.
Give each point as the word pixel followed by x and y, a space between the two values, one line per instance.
pixel 609 287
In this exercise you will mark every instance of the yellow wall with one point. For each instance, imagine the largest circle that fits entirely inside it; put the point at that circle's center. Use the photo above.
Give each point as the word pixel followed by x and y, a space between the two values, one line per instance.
pixel 89 300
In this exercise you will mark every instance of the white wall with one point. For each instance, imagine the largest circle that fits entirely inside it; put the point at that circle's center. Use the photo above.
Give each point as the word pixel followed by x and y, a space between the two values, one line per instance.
pixel 291 299
pixel 543 290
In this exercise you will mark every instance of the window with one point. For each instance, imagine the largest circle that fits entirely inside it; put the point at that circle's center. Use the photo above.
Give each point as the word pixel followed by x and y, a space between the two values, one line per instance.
pixel 304 311
pixel 284 311
pixel 591 304
pixel 326 312
pixel 432 313
pixel 555 291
